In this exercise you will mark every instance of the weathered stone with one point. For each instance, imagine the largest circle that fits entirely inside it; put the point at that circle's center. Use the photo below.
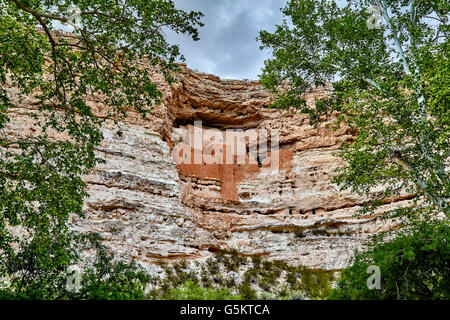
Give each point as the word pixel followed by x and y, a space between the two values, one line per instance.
pixel 149 208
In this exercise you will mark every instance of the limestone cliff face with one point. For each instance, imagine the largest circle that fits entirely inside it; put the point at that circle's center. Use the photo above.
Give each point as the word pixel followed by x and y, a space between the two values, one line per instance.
pixel 149 208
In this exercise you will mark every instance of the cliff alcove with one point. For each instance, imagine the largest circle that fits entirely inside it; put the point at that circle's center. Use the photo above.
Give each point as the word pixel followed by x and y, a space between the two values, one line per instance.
pixel 148 207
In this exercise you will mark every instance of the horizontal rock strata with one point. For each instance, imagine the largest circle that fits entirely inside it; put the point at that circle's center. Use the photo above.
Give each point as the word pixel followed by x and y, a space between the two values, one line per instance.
pixel 149 207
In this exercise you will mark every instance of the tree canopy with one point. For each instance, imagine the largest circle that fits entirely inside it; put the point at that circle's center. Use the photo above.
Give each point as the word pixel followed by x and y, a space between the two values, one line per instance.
pixel 414 266
pixel 111 54
pixel 387 62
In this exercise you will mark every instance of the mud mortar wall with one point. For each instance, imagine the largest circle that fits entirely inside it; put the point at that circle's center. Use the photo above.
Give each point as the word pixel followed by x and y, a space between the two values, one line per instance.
pixel 149 208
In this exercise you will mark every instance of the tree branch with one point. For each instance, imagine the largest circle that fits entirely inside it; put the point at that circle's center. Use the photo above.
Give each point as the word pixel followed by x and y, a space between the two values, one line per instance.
pixel 397 42
pixel 438 201
pixel 22 6
pixel 373 83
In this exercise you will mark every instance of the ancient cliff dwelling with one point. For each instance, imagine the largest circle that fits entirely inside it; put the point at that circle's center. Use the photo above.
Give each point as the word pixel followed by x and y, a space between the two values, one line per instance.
pixel 133 166
pixel 148 207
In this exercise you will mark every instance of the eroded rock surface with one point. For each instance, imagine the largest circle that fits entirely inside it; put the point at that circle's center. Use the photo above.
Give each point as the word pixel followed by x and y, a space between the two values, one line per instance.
pixel 149 208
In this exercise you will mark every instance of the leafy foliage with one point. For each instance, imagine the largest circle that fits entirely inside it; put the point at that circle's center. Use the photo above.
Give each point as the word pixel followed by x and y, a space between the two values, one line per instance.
pixel 110 57
pixel 389 85
pixel 415 265
pixel 231 275
pixel 102 278
pixel 192 291
pixel 390 88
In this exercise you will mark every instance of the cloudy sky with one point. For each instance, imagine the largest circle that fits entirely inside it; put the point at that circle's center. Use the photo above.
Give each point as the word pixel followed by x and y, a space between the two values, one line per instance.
pixel 228 46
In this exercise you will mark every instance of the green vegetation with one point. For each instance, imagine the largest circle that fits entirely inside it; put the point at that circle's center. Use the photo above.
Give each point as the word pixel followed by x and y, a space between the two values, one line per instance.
pixel 219 276
pixel 390 86
pixel 328 233
pixel 40 178
pixel 192 291
pixel 103 278
pixel 301 232
pixel 415 265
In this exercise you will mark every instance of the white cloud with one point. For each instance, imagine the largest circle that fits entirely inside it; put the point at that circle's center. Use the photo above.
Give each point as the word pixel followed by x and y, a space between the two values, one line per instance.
pixel 228 46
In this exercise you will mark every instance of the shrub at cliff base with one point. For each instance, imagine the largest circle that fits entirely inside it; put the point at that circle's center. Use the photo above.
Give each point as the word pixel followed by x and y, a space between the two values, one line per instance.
pixel 192 291
pixel 102 277
pixel 231 276
pixel 415 265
